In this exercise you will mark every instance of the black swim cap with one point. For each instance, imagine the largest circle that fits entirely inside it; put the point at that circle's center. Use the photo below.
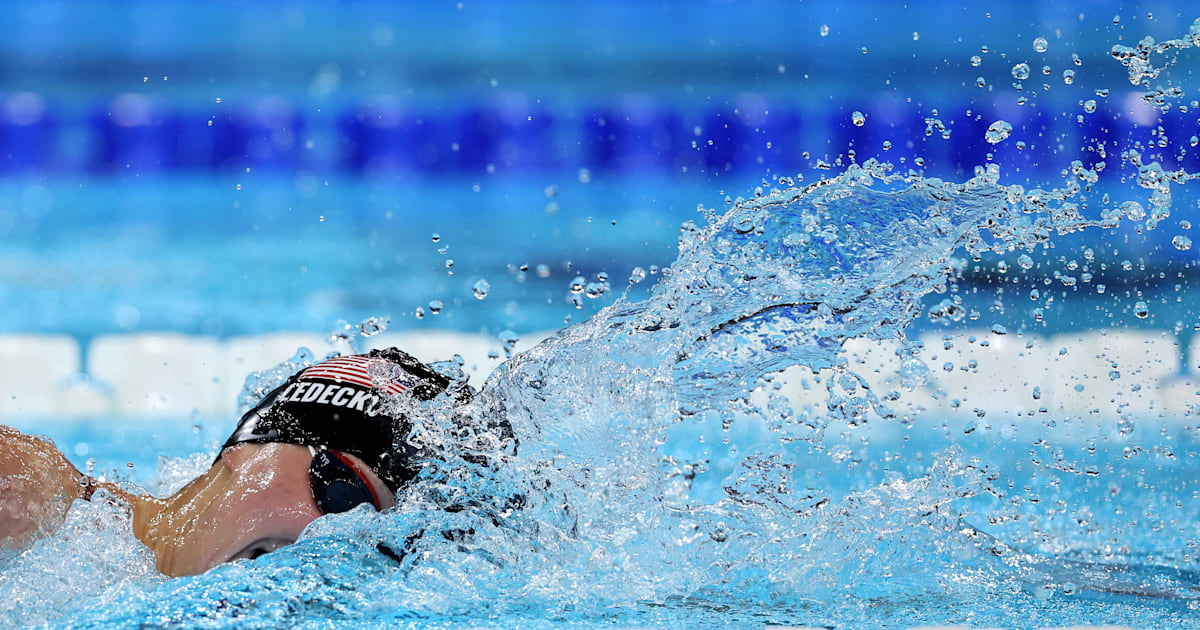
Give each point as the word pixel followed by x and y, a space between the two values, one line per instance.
pixel 344 404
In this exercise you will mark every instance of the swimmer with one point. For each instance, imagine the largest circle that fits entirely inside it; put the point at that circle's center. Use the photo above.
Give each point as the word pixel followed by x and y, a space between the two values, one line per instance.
pixel 321 443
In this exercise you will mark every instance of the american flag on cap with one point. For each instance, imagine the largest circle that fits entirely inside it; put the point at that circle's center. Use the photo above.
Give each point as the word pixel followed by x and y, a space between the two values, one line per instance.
pixel 366 371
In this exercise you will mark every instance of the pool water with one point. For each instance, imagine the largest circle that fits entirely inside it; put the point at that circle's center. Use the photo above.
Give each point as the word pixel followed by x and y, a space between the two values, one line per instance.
pixel 864 398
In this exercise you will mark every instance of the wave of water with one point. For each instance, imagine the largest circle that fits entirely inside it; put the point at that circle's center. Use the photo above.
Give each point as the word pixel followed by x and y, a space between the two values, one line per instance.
pixel 662 478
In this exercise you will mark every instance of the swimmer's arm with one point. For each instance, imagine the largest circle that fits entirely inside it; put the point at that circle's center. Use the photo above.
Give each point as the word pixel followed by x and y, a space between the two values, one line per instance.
pixel 37 486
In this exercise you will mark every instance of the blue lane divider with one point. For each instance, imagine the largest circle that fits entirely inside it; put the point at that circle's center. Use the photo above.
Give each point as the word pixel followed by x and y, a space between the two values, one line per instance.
pixel 136 134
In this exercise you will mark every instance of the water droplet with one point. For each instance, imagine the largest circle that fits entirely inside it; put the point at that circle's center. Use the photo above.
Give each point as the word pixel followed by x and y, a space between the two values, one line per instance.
pixel 824 30
pixel 998 132
pixel 999 329
pixel 1181 242
pixel 858 118
pixel 1040 44
pixel 595 289
pixel 1020 71
pixel 976 60
pixel 372 326
pixel 508 341
pixel 435 306
pixel 480 289
pixel 1141 309
pixel 1133 210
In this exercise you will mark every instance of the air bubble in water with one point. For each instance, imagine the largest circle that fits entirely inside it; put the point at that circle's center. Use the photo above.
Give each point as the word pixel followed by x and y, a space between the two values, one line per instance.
pixel 998 132
pixel 637 275
pixel 435 306
pixel 1024 261
pixel 824 30
pixel 1089 106
pixel 858 118
pixel 436 237
pixel 980 82
pixel 1040 44
pixel 1181 242
pixel 1068 76
pixel 976 60
pixel 480 289
pixel 543 271
pixel 577 284
pixel 1020 71
pixel 1141 309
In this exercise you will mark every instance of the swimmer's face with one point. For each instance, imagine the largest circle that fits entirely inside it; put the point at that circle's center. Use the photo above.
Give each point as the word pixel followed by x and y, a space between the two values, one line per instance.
pixel 255 499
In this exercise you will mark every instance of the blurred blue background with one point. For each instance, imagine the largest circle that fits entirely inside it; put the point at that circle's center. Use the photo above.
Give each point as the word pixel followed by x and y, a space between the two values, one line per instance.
pixel 227 169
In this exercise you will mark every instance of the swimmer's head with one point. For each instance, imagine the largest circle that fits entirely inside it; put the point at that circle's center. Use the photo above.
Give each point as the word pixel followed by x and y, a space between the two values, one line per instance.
pixel 333 436
pixel 349 405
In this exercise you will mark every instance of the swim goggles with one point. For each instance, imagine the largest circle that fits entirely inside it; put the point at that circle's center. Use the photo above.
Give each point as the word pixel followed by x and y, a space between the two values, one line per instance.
pixel 338 485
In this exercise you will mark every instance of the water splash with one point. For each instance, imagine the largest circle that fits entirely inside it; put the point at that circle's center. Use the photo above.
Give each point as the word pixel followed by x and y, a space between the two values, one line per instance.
pixel 605 512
